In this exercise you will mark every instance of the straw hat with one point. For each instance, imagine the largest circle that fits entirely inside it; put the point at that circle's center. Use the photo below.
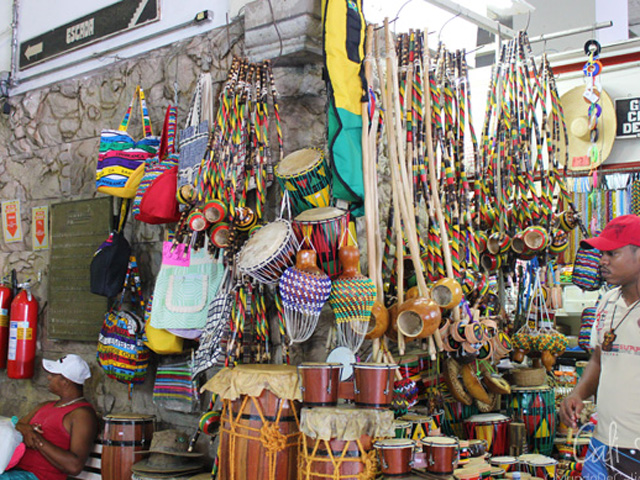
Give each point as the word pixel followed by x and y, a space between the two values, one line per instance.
pixel 576 117
pixel 168 455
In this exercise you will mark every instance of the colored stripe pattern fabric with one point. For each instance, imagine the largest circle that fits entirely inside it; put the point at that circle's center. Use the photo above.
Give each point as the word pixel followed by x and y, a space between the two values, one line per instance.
pixel 175 387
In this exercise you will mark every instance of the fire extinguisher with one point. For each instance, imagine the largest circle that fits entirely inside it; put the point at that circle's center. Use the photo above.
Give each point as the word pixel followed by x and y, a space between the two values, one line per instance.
pixel 6 294
pixel 23 333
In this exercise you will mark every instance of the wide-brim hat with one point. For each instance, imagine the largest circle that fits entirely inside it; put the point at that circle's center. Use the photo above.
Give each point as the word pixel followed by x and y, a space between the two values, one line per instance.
pixel 166 465
pixel 182 475
pixel 576 118
pixel 170 442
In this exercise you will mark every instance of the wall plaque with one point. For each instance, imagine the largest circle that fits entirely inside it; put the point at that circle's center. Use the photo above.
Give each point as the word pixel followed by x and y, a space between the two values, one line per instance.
pixel 77 230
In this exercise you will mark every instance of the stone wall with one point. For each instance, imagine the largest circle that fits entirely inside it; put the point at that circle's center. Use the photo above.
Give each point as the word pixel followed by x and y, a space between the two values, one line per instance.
pixel 48 153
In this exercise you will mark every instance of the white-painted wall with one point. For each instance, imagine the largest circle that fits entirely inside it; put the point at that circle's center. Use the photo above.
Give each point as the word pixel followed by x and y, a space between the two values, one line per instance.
pixel 38 16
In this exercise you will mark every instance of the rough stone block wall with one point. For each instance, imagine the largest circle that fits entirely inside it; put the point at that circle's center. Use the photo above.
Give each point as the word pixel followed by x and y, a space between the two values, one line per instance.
pixel 48 154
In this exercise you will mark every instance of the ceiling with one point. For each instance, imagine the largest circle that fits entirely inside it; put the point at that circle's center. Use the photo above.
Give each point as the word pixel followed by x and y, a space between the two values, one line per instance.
pixel 634 18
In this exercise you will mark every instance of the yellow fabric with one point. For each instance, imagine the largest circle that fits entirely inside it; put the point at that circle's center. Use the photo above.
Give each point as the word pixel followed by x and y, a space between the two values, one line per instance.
pixel 162 341
pixel 346 423
pixel 231 383
pixel 343 72
pixel 130 188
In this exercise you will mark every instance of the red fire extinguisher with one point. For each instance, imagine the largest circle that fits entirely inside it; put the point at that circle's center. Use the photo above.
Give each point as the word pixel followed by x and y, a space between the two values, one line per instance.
pixel 23 333
pixel 6 294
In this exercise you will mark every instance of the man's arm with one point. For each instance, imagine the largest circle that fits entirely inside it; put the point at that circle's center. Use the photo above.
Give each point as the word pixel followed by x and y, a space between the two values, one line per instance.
pixel 587 386
pixel 83 427
pixel 29 435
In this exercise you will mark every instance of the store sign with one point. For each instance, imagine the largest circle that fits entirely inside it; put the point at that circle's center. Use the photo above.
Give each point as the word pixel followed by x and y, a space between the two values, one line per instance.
pixel 11 221
pixel 112 20
pixel 628 117
pixel 40 227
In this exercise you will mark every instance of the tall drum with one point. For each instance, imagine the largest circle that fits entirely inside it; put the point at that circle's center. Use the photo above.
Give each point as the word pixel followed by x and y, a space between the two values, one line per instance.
pixel 337 442
pixel 491 427
pixel 536 408
pixel 123 436
pixel 306 177
pixel 259 424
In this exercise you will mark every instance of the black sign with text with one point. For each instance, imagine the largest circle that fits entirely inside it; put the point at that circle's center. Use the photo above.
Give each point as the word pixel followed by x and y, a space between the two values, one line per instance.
pixel 114 19
pixel 628 117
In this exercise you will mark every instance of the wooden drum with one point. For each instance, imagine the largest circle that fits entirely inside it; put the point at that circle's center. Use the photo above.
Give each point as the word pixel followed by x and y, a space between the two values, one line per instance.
pixel 123 435
pixel 259 424
pixel 319 383
pixel 337 442
pixel 373 384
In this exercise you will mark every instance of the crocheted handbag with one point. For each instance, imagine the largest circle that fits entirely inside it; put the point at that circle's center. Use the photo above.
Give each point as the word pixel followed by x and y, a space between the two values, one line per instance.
pixel 586 324
pixel 586 269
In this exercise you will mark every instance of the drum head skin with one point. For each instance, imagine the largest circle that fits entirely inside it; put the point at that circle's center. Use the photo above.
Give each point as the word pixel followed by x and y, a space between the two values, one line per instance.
pixel 319 214
pixel 344 356
pixel 263 244
pixel 298 162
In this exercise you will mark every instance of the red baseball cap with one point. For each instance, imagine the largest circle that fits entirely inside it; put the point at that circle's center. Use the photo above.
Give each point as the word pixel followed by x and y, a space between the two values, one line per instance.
pixel 619 232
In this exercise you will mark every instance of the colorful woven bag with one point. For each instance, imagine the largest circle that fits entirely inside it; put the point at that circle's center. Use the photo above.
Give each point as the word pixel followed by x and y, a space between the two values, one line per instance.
pixel 121 351
pixel 176 387
pixel 586 269
pixel 156 166
pixel 121 159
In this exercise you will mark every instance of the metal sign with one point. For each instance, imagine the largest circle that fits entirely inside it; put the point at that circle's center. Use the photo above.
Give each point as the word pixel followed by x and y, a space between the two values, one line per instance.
pixel 78 228
pixel 112 20
pixel 628 116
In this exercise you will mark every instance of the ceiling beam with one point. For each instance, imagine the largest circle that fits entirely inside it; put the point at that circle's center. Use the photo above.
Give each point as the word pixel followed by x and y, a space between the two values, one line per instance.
pixel 480 20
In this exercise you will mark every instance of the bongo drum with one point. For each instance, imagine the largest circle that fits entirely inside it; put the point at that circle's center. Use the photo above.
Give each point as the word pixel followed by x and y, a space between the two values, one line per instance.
pixel 259 425
pixel 373 384
pixel 306 177
pixel 337 442
pixel 492 427
pixel 539 466
pixel 536 408
pixel 402 428
pixel 477 447
pixel 319 383
pixel 395 455
pixel 268 252
pixel 123 436
pixel 322 229
pixel 442 454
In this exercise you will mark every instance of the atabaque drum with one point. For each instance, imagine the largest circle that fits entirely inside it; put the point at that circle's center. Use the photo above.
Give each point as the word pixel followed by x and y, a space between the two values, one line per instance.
pixel 337 442
pixel 441 453
pixel 536 408
pixel 373 384
pixel 319 383
pixel 125 435
pixel 325 231
pixel 420 424
pixel 395 455
pixel 539 466
pixel 305 176
pixel 491 427
pixel 259 424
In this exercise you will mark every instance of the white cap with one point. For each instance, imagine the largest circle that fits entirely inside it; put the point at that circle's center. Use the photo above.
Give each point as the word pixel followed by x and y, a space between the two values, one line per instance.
pixel 70 366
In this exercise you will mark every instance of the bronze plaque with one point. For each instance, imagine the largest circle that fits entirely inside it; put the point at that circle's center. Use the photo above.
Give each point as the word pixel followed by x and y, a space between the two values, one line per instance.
pixel 78 228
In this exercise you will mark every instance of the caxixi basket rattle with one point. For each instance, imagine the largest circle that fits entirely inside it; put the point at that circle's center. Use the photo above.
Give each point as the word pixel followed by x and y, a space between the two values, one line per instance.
pixel 352 298
pixel 306 176
pixel 304 290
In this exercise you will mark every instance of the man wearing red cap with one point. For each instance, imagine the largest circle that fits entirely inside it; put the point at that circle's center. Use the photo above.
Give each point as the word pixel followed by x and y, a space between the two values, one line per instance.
pixel 613 372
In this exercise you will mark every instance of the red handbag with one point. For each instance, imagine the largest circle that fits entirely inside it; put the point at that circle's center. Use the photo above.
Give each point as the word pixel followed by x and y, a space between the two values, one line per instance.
pixel 159 204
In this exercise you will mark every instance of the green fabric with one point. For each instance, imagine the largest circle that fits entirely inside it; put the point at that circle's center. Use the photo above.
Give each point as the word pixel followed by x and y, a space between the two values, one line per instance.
pixel 17 474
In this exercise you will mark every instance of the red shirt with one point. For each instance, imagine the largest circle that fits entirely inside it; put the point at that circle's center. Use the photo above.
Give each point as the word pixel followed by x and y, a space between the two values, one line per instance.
pixel 50 417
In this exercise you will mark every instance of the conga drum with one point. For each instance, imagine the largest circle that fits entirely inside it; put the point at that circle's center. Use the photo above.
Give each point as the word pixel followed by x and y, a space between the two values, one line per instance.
pixel 306 177
pixel 323 229
pixel 337 442
pixel 259 424
pixel 123 436
pixel 492 427
pixel 455 413
pixel 536 408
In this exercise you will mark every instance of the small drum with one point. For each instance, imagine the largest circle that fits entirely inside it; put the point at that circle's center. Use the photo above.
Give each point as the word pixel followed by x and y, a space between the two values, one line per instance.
pixel 536 408
pixel 575 450
pixel 269 252
pixel 337 442
pixel 373 384
pixel 477 448
pixel 306 177
pixel 402 428
pixel 539 466
pixel 442 454
pixel 319 383
pixel 396 455
pixel 420 425
pixel 492 427
pixel 323 229
pixel 259 424
pixel 123 436
pixel 506 463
